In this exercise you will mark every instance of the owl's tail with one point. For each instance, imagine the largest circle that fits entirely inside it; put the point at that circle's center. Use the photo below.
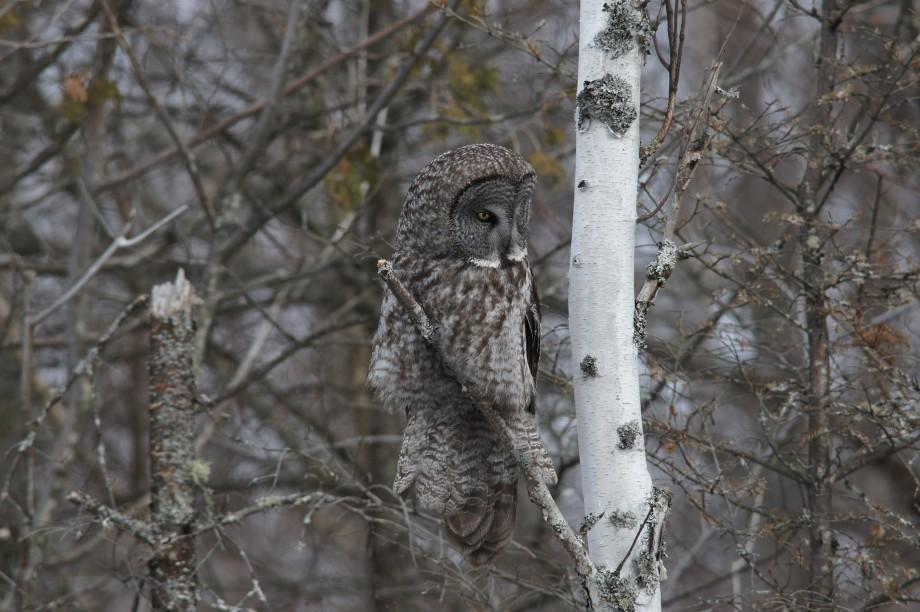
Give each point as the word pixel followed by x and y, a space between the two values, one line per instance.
pixel 482 534
pixel 462 472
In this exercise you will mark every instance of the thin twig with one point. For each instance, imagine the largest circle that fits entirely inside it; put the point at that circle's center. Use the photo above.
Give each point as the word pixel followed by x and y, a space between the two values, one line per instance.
pixel 260 132
pixel 696 146
pixel 49 152
pixel 642 525
pixel 121 242
pixel 37 67
pixel 676 53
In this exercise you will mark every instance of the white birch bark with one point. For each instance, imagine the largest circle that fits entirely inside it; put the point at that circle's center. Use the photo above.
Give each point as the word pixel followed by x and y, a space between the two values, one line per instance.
pixel 615 479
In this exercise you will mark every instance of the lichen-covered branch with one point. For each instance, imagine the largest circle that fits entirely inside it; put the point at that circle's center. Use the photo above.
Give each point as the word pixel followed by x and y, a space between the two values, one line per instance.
pixel 416 312
pixel 172 444
pixel 669 253
pixel 108 515
pixel 266 504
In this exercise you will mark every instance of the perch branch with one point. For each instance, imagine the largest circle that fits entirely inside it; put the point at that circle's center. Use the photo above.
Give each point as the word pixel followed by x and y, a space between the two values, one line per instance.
pixel 416 312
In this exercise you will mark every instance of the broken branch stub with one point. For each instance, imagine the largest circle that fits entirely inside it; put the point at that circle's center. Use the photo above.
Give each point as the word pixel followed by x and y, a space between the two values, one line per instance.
pixel 172 443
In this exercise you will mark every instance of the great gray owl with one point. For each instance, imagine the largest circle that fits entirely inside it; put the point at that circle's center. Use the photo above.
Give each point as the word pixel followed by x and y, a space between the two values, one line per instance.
pixel 461 251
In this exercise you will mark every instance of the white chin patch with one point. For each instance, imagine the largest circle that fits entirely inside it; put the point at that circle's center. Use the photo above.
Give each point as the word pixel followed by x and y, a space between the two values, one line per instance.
pixel 517 253
pixel 485 263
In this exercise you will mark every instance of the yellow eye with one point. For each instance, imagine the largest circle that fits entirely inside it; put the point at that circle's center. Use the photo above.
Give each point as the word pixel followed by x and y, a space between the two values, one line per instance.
pixel 484 215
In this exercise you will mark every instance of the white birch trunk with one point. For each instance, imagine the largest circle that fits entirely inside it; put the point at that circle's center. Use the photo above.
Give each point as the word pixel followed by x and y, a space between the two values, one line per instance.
pixel 615 480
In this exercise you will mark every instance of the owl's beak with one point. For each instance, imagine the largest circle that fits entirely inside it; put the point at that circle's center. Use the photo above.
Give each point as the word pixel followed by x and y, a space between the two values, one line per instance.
pixel 509 241
pixel 514 249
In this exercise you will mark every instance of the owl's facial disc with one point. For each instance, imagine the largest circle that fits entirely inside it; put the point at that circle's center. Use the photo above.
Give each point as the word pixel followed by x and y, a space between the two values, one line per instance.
pixel 491 219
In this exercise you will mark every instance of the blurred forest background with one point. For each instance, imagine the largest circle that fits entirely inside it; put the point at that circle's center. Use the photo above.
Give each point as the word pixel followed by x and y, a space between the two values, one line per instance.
pixel 264 147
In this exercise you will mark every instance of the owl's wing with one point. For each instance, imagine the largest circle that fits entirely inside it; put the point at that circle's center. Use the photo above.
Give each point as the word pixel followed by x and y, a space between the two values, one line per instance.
pixel 524 423
pixel 532 331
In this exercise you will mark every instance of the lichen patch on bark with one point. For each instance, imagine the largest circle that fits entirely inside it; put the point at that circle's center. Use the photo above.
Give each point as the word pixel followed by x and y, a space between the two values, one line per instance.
pixel 589 366
pixel 626 27
pixel 608 100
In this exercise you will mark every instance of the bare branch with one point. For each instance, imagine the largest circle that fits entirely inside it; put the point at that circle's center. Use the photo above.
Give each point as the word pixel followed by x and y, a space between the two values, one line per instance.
pixel 331 158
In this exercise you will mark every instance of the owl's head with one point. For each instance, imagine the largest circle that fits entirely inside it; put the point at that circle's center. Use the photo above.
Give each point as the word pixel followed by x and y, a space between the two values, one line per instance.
pixel 472 203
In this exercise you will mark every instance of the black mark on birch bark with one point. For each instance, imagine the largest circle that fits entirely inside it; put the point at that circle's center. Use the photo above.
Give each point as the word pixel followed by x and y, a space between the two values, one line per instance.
pixel 590 521
pixel 627 434
pixel 624 519
pixel 589 366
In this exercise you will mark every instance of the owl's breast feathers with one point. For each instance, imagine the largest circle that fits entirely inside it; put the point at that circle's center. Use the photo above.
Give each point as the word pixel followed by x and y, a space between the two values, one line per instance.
pixel 488 319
